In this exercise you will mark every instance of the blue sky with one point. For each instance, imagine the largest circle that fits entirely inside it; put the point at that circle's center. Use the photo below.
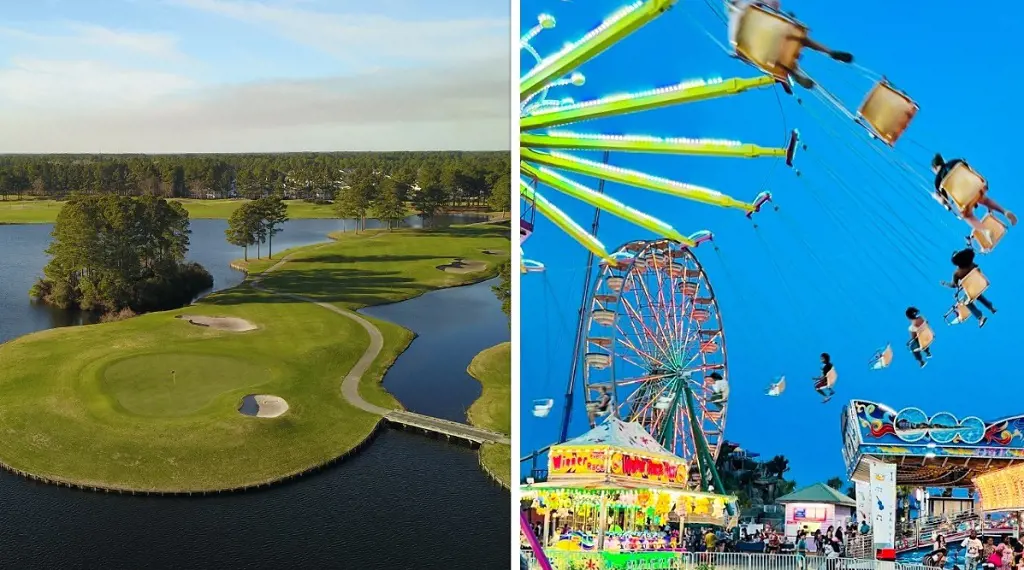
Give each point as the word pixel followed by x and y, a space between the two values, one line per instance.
pixel 838 266
pixel 239 75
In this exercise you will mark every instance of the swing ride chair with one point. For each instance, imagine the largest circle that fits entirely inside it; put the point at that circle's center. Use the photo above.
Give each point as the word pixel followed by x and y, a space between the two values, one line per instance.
pixel 925 337
pixel 882 358
pixel 887 112
pixel 972 286
pixel 770 40
pixel 966 188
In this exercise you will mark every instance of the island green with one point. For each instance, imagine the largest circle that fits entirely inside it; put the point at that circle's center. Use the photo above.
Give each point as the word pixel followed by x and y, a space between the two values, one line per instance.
pixel 154 399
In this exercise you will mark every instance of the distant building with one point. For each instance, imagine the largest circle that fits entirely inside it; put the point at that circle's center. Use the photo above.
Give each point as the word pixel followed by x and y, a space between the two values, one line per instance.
pixel 816 507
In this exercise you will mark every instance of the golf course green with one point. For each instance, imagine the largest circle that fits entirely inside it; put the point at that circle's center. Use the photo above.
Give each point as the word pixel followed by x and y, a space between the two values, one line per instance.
pixel 151 403
pixel 492 410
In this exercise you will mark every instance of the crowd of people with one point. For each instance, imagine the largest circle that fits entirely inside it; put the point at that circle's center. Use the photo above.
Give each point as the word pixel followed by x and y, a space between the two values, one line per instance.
pixel 978 555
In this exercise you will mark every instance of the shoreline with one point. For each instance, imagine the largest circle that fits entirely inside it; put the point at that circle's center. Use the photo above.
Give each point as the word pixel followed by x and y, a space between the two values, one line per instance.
pixel 360 445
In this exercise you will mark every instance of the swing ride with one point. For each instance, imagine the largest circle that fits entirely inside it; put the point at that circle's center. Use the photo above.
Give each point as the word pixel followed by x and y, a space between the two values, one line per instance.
pixel 650 345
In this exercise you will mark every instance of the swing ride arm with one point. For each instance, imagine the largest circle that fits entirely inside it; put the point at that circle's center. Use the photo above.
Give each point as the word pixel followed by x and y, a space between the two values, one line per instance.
pixel 612 30
pixel 614 105
pixel 639 143
pixel 560 219
pixel 603 202
pixel 636 179
pixel 704 459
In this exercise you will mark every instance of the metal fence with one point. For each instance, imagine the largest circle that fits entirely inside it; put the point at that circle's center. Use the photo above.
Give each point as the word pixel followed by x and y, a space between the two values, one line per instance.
pixel 590 560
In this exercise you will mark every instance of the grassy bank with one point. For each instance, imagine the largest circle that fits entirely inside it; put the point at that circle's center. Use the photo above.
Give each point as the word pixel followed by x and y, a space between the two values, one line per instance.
pixel 150 403
pixel 45 211
pixel 493 410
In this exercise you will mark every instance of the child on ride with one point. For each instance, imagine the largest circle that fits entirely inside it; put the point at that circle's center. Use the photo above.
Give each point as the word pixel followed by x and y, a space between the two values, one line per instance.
pixel 822 383
pixel 941 167
pixel 917 324
pixel 735 9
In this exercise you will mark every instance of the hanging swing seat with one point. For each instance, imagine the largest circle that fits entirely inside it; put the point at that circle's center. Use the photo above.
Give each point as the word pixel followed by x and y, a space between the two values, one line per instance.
pixel 882 358
pixel 664 402
pixel 995 227
pixel 531 266
pixel 925 337
pixel 973 285
pixel 831 377
pixel 541 408
pixel 887 111
pixel 525 229
pixel 769 40
pixel 964 186
pixel 957 314
pixel 602 341
pixel 777 387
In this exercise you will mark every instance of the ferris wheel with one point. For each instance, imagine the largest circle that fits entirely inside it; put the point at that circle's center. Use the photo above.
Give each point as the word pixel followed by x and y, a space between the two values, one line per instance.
pixel 655 343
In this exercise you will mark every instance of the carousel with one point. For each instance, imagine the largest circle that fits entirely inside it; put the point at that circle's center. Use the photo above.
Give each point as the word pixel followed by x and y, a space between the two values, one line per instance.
pixel 614 497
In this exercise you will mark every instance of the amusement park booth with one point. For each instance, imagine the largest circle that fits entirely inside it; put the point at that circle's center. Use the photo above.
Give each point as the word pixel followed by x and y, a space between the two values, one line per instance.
pixel 925 450
pixel 937 450
pixel 816 507
pixel 611 496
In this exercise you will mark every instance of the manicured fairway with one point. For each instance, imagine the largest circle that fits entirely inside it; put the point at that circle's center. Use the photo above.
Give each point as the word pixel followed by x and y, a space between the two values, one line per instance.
pixel 99 405
pixel 493 410
pixel 45 211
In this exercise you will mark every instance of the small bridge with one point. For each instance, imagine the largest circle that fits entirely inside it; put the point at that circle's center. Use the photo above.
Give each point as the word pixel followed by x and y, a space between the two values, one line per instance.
pixel 449 429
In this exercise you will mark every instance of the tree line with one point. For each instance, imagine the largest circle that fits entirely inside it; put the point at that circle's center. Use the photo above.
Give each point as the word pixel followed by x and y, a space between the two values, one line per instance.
pixel 360 183
pixel 112 253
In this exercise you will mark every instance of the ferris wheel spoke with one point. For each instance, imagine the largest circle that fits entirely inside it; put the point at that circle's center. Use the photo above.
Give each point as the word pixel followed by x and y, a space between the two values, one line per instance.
pixel 645 331
pixel 651 358
pixel 649 378
pixel 655 313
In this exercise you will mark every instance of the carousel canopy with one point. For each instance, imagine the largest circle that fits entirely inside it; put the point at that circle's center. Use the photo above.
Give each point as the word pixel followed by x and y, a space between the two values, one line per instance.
pixel 616 451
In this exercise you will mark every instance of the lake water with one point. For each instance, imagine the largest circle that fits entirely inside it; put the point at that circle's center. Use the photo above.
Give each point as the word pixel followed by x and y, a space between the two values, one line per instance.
pixel 406 502
pixel 469 319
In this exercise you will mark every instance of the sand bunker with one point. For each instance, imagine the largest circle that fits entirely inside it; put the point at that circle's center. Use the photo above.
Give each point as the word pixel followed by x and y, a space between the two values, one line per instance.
pixel 220 323
pixel 492 252
pixel 263 406
pixel 460 265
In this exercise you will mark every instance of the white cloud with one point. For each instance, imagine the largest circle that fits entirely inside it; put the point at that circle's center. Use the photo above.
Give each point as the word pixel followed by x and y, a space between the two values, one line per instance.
pixel 361 39
pixel 41 84
pixel 423 85
pixel 460 108
pixel 77 36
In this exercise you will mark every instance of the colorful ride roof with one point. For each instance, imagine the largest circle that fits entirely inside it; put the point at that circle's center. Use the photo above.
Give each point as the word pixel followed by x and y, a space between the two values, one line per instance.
pixel 616 451
pixel 937 450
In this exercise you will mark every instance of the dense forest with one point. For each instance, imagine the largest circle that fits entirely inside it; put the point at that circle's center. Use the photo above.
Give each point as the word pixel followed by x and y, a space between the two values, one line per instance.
pixel 358 183
pixel 114 254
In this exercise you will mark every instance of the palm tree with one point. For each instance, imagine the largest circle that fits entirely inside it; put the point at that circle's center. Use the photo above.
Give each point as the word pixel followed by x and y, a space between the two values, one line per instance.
pixel 836 483
pixel 777 466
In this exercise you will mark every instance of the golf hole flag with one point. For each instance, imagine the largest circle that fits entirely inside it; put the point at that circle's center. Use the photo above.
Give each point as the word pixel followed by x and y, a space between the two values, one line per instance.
pixel 883 503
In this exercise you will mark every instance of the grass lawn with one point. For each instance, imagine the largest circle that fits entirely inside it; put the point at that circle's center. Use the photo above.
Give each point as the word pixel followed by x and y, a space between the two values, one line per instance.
pixel 45 211
pixel 493 409
pixel 99 405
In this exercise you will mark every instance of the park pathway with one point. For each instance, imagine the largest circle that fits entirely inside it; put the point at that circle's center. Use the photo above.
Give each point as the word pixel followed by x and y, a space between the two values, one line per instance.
pixel 350 384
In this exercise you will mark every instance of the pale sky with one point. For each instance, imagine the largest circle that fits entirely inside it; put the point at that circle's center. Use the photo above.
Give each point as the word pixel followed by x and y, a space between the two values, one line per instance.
pixel 169 76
